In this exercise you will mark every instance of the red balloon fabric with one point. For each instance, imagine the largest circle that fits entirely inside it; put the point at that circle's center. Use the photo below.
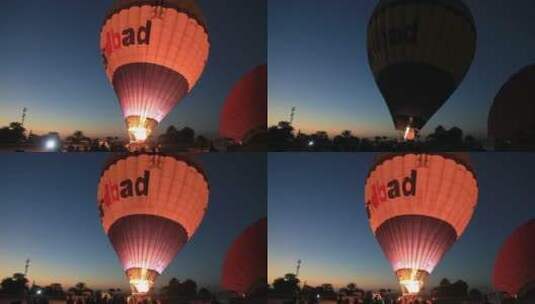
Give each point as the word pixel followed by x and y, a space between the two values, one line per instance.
pixel 514 270
pixel 245 265
pixel 245 109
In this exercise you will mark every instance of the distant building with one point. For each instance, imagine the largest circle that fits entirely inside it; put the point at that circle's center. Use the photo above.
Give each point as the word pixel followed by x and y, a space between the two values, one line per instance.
pixel 81 145
pixel 495 297
pixel 351 297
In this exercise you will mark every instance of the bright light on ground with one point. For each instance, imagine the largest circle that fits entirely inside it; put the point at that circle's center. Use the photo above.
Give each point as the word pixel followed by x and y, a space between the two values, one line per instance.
pixel 50 144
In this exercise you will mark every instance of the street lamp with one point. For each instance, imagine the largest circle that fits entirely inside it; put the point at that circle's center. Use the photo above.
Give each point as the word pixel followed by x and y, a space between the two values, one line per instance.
pixel 51 144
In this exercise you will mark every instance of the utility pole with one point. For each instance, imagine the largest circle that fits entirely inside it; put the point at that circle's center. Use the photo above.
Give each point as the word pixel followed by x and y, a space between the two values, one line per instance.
pixel 298 268
pixel 24 110
pixel 26 267
pixel 292 116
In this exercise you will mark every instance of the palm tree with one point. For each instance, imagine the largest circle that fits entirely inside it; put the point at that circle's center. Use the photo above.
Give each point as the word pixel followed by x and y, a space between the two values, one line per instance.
pixel 77 137
pixel 351 287
pixel 79 288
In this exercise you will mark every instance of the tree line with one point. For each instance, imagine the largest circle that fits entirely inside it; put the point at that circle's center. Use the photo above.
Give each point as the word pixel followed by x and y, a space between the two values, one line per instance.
pixel 289 288
pixel 283 137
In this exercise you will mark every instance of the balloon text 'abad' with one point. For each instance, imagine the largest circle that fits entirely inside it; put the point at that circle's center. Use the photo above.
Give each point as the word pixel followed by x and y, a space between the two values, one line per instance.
pixel 393 189
pixel 127 188
pixel 128 37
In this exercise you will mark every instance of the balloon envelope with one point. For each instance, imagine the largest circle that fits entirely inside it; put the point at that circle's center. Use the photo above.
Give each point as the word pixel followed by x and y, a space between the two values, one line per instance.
pixel 419 52
pixel 245 265
pixel 154 52
pixel 514 269
pixel 418 205
pixel 150 206
pixel 245 111
pixel 512 116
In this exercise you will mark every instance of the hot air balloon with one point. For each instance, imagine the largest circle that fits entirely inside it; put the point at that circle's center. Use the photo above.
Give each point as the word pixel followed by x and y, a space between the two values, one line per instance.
pixel 244 114
pixel 418 205
pixel 150 206
pixel 512 116
pixel 419 52
pixel 154 52
pixel 245 265
pixel 514 269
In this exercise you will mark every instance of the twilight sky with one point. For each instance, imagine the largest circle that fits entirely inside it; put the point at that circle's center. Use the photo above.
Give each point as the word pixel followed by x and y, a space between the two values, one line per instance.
pixel 318 62
pixel 316 213
pixel 48 212
pixel 50 63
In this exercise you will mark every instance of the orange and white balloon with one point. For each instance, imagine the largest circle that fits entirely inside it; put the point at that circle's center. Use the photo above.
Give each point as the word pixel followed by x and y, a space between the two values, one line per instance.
pixel 154 52
pixel 150 206
pixel 418 205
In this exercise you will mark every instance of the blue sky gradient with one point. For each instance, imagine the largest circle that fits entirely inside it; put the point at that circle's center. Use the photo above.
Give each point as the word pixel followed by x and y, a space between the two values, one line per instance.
pixel 49 214
pixel 319 63
pixel 50 63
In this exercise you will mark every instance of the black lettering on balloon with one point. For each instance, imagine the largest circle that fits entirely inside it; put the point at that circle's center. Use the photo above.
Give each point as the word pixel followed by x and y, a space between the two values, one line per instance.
pixel 127 189
pixel 409 184
pixel 129 37
pixel 142 184
pixel 393 189
pixel 143 35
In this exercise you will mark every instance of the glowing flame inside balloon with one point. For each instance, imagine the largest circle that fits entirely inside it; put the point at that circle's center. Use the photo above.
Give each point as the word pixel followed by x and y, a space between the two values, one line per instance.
pixel 409 134
pixel 141 279
pixel 139 134
pixel 141 286
pixel 412 286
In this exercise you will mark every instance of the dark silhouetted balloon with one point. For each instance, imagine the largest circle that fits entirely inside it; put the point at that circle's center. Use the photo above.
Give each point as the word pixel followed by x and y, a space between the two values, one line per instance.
pixel 154 53
pixel 512 116
pixel 419 52
pixel 418 206
pixel 245 265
